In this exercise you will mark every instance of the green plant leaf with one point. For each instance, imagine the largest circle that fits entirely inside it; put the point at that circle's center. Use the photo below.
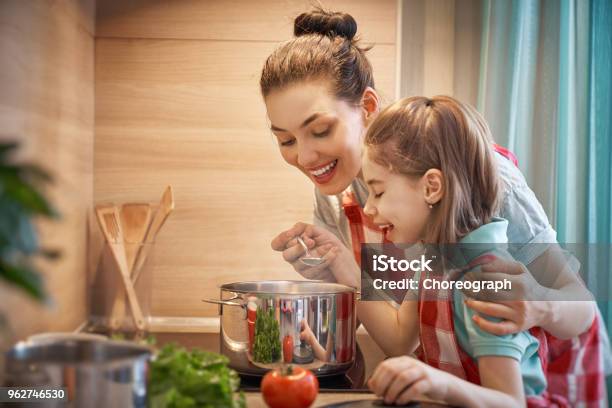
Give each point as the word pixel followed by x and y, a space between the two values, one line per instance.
pixel 17 233
pixel 7 148
pixel 34 173
pixel 20 201
pixel 26 195
pixel 24 277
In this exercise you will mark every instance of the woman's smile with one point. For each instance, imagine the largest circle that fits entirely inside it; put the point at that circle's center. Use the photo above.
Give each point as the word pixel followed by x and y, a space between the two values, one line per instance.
pixel 325 173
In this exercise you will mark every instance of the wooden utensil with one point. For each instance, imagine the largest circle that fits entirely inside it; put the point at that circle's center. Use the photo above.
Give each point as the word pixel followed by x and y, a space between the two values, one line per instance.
pixel 109 219
pixel 166 206
pixel 118 305
pixel 135 219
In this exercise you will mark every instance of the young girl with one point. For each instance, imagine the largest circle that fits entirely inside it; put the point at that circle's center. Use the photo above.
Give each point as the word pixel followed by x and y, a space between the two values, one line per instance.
pixel 432 178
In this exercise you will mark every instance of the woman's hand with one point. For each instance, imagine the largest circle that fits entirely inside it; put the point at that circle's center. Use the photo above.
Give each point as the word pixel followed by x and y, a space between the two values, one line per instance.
pixel 517 316
pixel 517 309
pixel 339 264
pixel 530 304
pixel 400 380
pixel 306 333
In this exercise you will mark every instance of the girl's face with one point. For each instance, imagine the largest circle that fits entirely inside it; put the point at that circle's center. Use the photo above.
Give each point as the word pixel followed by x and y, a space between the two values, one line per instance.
pixel 318 133
pixel 396 201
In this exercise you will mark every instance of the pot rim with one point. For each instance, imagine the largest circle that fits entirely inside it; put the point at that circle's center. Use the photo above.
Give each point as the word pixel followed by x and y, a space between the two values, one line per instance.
pixel 38 353
pixel 332 288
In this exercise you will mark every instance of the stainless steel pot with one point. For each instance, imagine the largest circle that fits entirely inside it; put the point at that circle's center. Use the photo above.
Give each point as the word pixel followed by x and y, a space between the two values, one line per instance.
pixel 95 373
pixel 311 323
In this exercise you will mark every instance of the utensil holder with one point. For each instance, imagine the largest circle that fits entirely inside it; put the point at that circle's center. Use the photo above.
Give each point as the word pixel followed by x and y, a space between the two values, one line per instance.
pixel 108 285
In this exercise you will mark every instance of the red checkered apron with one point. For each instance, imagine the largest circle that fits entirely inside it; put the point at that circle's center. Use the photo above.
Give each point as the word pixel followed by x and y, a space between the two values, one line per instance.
pixel 574 368
pixel 439 347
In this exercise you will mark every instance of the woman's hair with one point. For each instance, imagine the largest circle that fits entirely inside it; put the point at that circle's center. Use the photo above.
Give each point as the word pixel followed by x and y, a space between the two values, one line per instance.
pixel 416 134
pixel 324 47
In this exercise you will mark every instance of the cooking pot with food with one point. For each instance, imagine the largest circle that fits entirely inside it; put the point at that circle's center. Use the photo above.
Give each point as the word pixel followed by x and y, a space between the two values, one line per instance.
pixel 266 324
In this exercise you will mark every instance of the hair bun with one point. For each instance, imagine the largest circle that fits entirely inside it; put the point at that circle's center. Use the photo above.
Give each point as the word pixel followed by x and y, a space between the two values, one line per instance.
pixel 326 23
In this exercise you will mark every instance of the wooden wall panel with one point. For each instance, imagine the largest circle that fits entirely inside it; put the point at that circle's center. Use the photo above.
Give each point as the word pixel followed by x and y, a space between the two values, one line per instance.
pixel 47 52
pixel 235 20
pixel 177 102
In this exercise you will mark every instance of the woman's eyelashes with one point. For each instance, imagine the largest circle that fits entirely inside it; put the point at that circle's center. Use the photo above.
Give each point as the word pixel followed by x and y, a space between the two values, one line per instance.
pixel 317 132
pixel 287 142
pixel 323 129
pixel 322 133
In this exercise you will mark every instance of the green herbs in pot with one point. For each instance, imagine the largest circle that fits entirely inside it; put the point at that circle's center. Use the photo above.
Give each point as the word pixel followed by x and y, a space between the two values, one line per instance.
pixel 267 344
pixel 180 379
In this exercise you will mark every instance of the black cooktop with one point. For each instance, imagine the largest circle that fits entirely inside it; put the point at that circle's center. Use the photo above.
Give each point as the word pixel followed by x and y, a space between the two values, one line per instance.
pixel 351 381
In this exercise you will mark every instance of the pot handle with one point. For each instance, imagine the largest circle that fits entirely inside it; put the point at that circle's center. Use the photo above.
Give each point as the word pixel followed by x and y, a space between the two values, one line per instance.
pixel 226 302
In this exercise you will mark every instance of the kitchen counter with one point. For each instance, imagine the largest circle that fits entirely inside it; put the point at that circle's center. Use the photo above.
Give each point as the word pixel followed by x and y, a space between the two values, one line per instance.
pixel 255 400
pixel 210 342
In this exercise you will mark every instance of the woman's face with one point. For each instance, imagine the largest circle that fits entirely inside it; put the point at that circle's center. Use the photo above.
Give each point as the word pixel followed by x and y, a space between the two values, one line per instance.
pixel 318 133
pixel 396 202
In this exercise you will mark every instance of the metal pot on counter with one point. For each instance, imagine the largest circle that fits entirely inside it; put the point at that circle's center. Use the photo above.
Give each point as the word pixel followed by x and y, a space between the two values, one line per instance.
pixel 266 324
pixel 93 371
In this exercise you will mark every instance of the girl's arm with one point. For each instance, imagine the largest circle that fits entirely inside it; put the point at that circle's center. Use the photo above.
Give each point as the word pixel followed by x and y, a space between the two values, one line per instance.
pixel 403 379
pixel 501 385
pixel 395 331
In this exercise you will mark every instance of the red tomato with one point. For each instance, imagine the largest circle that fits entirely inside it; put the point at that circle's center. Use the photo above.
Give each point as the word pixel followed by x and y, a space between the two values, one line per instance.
pixel 296 388
pixel 288 348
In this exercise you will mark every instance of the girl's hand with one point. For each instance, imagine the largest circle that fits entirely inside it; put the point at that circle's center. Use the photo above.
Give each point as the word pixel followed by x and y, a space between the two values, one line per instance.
pixel 322 243
pixel 400 380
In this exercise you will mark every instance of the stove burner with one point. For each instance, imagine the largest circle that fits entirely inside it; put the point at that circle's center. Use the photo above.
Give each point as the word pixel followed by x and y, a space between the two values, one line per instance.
pixel 351 381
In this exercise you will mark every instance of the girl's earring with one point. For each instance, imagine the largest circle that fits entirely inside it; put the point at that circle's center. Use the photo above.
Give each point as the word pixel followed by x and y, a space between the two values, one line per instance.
pixel 430 206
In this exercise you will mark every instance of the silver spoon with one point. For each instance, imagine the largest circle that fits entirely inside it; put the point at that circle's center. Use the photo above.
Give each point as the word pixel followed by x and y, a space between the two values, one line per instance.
pixel 309 259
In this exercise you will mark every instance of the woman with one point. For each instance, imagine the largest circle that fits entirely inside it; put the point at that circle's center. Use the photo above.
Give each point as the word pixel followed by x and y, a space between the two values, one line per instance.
pixel 320 98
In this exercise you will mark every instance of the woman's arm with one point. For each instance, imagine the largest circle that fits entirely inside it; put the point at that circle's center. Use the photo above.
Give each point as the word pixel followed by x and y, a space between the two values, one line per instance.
pixel 403 379
pixel 561 309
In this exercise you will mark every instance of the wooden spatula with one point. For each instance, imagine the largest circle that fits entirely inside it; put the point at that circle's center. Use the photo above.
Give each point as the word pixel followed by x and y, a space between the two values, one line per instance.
pixel 109 219
pixel 135 219
pixel 166 205
pixel 118 305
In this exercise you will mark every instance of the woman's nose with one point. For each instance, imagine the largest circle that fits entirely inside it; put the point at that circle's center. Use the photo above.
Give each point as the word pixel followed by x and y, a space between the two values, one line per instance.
pixel 307 155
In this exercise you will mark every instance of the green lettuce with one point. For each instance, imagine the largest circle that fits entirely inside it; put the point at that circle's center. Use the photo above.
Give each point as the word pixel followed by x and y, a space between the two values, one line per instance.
pixel 184 379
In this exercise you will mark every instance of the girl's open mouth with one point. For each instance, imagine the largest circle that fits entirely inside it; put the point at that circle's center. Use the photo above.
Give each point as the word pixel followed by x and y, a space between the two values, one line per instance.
pixel 386 227
pixel 324 174
pixel 386 231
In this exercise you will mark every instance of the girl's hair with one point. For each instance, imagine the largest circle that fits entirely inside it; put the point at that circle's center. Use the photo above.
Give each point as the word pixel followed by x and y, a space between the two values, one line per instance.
pixel 324 47
pixel 416 134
